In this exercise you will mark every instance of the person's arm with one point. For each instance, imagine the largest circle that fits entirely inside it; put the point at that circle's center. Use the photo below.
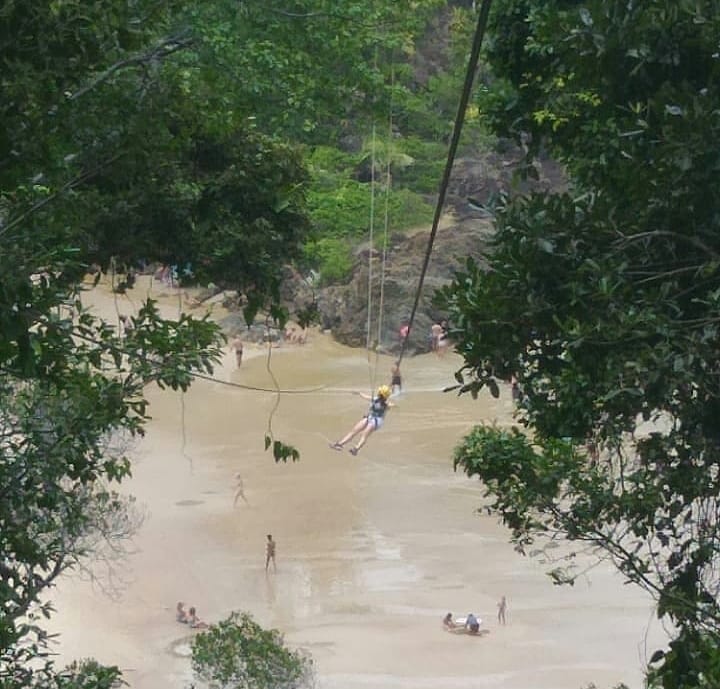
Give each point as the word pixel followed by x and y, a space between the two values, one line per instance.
pixel 365 396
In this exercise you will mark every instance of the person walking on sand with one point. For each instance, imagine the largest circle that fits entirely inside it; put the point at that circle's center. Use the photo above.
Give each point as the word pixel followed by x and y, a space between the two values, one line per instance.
pixel 270 553
pixel 237 345
pixel 502 609
pixel 239 490
pixel 372 421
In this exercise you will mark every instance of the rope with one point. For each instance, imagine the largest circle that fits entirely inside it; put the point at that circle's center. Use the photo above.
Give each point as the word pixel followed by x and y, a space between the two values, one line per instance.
pixel 388 181
pixel 256 389
pixel 368 339
pixel 452 151
pixel 183 425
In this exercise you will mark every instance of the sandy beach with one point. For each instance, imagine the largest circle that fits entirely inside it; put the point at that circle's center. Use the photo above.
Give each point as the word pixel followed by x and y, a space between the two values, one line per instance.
pixel 372 550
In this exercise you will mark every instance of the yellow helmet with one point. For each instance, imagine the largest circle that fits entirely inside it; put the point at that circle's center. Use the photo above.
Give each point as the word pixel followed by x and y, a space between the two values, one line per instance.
pixel 384 391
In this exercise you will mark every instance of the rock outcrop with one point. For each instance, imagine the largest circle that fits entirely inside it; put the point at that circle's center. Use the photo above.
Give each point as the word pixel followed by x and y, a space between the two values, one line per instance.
pixel 343 308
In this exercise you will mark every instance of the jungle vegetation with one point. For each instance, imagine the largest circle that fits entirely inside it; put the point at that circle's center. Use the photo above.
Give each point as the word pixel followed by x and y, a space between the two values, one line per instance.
pixel 202 135
pixel 603 301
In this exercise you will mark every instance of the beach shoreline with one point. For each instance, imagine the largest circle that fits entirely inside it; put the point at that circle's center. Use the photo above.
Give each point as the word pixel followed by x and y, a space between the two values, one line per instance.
pixel 372 550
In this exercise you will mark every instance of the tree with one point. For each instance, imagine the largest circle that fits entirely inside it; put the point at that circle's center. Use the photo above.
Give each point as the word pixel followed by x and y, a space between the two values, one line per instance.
pixel 238 653
pixel 304 69
pixel 603 301
pixel 106 156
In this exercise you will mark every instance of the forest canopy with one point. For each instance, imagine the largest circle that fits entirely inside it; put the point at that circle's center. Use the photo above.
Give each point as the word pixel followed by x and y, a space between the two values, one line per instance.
pixel 139 134
pixel 601 300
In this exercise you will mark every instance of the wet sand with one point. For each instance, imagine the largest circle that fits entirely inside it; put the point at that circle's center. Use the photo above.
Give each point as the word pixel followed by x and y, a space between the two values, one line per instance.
pixel 372 550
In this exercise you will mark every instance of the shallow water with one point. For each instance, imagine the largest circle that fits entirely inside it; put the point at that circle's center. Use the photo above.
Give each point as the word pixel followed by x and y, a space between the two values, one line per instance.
pixel 372 550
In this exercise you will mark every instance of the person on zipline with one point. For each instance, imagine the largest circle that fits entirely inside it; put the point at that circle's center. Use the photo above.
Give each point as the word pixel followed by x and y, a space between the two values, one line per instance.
pixel 372 421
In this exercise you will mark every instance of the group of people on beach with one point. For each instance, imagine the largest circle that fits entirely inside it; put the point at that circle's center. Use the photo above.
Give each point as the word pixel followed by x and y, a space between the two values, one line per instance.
pixel 471 623
pixel 189 618
pixel 291 336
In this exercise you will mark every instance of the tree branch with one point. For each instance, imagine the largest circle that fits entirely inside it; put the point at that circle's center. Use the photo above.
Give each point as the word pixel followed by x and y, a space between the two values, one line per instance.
pixel 167 47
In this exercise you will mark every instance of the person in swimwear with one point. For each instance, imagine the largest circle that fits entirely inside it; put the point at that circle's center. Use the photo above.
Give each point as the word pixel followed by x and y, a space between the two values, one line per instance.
pixel 237 345
pixel 180 614
pixel 270 553
pixel 372 421
pixel 396 379
pixel 443 340
pixel 194 621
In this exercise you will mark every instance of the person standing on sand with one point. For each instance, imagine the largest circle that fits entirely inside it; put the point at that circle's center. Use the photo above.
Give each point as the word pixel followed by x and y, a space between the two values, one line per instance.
pixel 435 332
pixel 237 345
pixel 396 379
pixel 270 553
pixel 443 340
pixel 502 609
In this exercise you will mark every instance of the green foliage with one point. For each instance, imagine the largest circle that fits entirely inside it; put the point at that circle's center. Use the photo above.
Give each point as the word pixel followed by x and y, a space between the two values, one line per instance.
pixel 604 301
pixel 328 162
pixel 341 217
pixel 342 212
pixel 238 653
pixel 304 72
pixel 88 674
pixel 693 660
pixel 281 452
pixel 115 148
pixel 423 176
pixel 333 258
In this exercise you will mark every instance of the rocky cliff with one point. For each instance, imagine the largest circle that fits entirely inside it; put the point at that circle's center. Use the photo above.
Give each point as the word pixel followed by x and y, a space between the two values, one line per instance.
pixel 464 232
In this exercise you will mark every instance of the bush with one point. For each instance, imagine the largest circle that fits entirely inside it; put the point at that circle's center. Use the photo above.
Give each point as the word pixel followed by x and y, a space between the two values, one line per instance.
pixel 238 653
pixel 331 256
pixel 331 160
pixel 87 674
pixel 423 176
pixel 340 212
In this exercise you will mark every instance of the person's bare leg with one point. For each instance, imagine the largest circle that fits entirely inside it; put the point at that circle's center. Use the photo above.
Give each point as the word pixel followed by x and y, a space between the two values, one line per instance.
pixel 365 436
pixel 359 426
pixel 240 490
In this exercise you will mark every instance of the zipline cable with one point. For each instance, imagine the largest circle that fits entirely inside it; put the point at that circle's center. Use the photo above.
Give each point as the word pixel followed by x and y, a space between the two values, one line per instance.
pixel 452 151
